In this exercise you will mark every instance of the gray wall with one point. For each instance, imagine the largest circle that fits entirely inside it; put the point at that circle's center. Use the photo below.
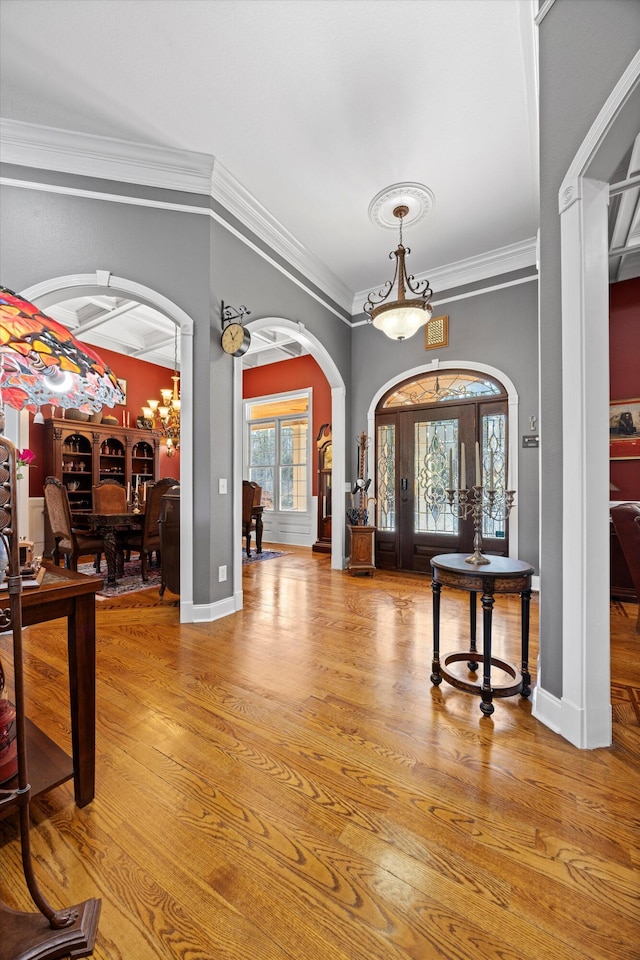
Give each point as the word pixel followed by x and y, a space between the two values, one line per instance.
pixel 194 262
pixel 585 46
pixel 498 328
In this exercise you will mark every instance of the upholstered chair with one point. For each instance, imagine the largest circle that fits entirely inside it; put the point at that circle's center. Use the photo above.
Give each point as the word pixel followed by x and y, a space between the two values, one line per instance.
pixel 69 542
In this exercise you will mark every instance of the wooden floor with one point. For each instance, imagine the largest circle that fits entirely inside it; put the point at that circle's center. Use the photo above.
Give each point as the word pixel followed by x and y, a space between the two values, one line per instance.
pixel 287 784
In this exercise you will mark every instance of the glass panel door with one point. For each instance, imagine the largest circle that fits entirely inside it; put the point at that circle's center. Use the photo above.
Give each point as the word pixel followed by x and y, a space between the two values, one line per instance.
pixel 418 461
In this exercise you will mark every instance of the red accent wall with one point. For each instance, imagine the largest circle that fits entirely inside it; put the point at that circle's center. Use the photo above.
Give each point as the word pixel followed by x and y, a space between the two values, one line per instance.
pixel 624 373
pixel 144 381
pixel 299 373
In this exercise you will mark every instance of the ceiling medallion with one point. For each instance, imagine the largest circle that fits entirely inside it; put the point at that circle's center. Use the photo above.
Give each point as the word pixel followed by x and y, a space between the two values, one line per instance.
pixel 417 198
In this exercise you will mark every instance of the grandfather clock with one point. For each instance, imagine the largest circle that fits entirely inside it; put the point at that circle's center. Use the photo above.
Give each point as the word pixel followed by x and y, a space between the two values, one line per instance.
pixel 323 443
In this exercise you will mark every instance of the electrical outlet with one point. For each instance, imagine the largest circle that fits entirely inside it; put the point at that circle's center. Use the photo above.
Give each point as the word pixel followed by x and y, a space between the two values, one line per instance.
pixel 222 485
pixel 222 574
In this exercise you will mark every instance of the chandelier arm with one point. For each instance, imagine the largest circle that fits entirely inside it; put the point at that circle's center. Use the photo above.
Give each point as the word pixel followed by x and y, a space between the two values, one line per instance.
pixel 420 287
pixel 382 294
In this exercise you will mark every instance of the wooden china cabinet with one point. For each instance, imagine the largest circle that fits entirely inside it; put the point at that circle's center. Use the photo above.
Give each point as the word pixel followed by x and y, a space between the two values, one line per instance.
pixel 81 454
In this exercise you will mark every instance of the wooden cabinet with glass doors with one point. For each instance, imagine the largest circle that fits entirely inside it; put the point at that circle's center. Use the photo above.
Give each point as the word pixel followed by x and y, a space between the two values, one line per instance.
pixel 82 454
pixel 420 428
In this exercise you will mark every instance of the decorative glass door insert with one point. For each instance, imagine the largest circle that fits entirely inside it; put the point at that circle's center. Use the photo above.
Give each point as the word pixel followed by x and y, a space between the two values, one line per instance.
pixel 420 427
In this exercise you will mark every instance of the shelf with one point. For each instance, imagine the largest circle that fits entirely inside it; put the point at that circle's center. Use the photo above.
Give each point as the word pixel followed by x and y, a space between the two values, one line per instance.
pixel 49 766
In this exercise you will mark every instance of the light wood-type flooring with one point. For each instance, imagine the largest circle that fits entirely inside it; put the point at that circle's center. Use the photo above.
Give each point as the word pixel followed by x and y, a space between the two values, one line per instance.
pixel 287 784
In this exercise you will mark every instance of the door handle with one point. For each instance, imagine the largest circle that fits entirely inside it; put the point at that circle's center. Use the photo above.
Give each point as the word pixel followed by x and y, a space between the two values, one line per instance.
pixel 404 486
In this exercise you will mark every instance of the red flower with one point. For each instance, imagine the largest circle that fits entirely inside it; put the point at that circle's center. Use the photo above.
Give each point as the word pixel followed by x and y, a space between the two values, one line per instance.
pixel 24 459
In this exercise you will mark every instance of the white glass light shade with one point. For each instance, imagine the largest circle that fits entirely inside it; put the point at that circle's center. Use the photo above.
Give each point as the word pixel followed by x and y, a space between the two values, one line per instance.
pixel 153 404
pixel 402 321
pixel 163 412
pixel 166 396
pixel 147 413
pixel 176 405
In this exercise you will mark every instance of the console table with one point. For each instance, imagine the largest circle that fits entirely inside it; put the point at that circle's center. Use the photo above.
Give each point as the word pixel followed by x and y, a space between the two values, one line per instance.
pixel 64 593
pixel 501 575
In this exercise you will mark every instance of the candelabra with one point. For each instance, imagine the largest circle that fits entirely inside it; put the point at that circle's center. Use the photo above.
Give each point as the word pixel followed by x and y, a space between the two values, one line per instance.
pixel 480 503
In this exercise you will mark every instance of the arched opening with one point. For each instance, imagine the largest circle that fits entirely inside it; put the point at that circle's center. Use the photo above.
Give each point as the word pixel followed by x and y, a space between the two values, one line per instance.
pixel 298 332
pixel 439 431
pixel 474 369
pixel 49 292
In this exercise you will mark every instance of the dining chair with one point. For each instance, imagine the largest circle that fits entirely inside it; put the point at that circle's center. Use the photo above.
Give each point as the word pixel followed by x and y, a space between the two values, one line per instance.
pixel 147 539
pixel 626 520
pixel 109 496
pixel 69 542
pixel 251 498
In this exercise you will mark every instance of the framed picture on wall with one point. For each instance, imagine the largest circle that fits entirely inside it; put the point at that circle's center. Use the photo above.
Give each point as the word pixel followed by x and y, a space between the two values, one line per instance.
pixel 123 386
pixel 624 429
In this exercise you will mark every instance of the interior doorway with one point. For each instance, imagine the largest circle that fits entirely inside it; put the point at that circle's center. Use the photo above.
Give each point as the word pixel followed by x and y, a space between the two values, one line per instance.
pixel 435 433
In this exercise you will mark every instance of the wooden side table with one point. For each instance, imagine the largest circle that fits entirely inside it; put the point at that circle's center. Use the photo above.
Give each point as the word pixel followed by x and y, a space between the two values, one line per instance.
pixel 361 559
pixel 500 575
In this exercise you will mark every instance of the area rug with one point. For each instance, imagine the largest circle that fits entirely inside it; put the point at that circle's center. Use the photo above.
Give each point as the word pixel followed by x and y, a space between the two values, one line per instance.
pixel 131 582
pixel 265 555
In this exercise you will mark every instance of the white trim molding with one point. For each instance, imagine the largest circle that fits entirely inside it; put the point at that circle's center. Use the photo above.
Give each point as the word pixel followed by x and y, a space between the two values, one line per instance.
pixel 585 714
pixel 88 155
pixel 493 263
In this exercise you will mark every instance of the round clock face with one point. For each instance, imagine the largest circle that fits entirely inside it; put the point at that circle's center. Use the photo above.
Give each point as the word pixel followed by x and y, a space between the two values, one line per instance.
pixel 235 339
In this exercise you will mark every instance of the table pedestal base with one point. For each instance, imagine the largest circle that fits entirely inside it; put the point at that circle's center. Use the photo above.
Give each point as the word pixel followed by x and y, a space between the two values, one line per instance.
pixel 521 684
pixel 28 936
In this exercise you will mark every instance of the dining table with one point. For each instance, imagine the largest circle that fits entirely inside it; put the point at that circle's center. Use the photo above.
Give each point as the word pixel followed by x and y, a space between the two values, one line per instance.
pixel 107 526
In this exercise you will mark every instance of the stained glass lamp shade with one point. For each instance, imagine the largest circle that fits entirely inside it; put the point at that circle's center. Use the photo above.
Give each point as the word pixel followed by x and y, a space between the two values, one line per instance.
pixel 41 362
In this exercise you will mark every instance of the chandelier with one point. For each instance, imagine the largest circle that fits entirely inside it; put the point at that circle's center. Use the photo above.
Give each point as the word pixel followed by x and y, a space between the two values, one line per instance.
pixel 402 317
pixel 164 415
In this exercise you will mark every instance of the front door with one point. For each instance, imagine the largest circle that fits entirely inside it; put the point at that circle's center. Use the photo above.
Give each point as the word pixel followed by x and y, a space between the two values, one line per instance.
pixel 418 456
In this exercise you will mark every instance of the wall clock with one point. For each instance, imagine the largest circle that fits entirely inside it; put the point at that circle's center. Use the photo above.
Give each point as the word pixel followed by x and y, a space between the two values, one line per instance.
pixel 235 339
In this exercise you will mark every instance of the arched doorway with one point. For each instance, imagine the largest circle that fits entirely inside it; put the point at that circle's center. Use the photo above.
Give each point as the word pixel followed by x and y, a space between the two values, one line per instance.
pixel 481 370
pixel 57 289
pixel 435 432
pixel 296 331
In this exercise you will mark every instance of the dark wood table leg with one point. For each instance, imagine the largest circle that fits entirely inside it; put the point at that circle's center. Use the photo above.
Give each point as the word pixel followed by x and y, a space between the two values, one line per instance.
pixel 259 533
pixel 436 676
pixel 473 646
pixel 525 599
pixel 110 539
pixel 486 705
pixel 82 686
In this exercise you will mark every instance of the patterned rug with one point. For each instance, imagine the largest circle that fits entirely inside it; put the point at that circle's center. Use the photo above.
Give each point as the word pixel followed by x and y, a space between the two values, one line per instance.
pixel 265 555
pixel 131 582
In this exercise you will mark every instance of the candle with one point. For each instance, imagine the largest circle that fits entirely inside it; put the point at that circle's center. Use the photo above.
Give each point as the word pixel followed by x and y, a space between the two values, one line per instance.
pixel 450 469
pixel 128 493
pixel 463 470
pixel 478 474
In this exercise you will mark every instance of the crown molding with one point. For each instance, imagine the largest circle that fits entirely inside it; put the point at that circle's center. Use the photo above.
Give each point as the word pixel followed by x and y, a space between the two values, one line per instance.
pixel 87 155
pixel 493 263
pixel 244 206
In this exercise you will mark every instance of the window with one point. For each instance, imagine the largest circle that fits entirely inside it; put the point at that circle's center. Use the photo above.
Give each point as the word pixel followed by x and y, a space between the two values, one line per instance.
pixel 278 454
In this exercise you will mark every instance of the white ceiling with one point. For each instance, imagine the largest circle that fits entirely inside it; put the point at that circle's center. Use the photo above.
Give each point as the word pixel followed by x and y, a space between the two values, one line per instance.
pixel 314 106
